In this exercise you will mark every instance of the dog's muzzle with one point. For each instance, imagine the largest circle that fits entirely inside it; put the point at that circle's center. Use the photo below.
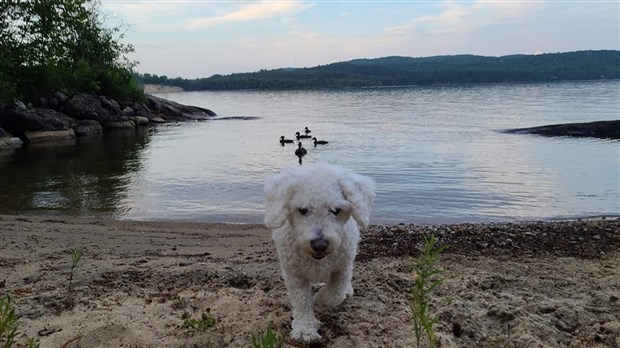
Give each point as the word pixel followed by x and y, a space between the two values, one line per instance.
pixel 319 247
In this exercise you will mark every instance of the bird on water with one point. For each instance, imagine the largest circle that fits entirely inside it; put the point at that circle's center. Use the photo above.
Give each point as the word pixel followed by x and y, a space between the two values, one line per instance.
pixel 299 136
pixel 319 142
pixel 300 151
pixel 285 141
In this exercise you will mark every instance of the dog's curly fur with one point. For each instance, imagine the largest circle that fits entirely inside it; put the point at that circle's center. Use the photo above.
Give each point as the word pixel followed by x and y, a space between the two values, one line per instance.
pixel 314 212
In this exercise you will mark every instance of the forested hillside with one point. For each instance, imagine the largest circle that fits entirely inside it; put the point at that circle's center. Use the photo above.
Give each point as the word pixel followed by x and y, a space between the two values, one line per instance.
pixel 400 71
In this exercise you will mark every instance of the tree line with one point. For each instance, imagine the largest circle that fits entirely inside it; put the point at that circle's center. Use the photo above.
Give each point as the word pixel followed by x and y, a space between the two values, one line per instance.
pixel 62 45
pixel 402 71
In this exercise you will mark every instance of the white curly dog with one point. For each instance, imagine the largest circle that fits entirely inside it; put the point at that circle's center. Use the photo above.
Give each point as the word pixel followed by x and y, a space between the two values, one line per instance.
pixel 314 212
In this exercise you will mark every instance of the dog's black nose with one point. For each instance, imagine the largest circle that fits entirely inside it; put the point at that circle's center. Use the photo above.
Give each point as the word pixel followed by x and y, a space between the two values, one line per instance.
pixel 319 245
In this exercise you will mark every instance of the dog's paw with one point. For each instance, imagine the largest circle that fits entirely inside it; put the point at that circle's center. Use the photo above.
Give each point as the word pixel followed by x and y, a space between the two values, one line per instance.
pixel 349 291
pixel 305 334
pixel 327 298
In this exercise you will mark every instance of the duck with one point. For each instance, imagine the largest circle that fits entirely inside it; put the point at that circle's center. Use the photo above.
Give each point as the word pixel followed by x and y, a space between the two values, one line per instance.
pixel 300 152
pixel 319 142
pixel 306 130
pixel 299 136
pixel 285 141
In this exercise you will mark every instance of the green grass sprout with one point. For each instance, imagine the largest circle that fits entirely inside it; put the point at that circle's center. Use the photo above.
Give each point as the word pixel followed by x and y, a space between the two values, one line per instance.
pixel 426 278
pixel 269 339
pixel 76 256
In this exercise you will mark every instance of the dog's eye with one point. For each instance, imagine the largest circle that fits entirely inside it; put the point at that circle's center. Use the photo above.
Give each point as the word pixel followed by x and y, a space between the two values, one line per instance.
pixel 335 211
pixel 303 211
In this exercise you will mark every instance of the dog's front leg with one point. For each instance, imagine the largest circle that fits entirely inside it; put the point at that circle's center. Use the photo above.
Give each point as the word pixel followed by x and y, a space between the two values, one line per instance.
pixel 337 289
pixel 305 326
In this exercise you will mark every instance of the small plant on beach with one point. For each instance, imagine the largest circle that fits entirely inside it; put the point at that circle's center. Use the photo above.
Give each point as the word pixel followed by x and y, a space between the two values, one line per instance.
pixel 426 279
pixel 8 325
pixel 76 256
pixel 269 339
pixel 32 343
pixel 206 321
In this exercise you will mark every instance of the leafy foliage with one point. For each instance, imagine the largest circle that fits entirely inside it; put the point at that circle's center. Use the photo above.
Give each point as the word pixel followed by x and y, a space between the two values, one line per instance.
pixel 62 45
pixel 402 71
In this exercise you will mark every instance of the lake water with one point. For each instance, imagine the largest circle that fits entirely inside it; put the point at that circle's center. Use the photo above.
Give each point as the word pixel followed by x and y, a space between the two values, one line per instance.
pixel 435 154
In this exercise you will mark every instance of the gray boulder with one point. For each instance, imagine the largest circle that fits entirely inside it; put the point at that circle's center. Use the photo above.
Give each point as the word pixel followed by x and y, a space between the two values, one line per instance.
pixel 92 107
pixel 178 112
pixel 140 121
pixel 17 120
pixel 141 110
pixel 57 100
pixel 18 104
pixel 87 127
pixel 120 125
pixel 55 120
pixel 157 119
pixel 46 136
pixel 128 111
pixel 5 140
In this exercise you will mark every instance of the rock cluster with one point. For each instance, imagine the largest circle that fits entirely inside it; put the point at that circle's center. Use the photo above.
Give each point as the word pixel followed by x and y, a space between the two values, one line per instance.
pixel 63 117
pixel 597 129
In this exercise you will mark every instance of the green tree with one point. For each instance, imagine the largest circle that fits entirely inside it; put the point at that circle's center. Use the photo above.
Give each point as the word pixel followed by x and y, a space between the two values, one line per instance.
pixel 49 45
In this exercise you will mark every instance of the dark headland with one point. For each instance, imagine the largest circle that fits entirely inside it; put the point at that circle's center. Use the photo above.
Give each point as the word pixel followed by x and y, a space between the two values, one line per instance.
pixel 597 129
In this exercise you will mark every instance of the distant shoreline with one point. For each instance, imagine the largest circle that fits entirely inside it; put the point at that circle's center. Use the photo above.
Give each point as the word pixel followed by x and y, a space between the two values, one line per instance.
pixel 176 89
pixel 150 88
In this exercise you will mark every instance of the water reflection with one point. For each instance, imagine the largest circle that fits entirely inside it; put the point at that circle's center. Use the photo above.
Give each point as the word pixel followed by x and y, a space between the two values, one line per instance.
pixel 86 177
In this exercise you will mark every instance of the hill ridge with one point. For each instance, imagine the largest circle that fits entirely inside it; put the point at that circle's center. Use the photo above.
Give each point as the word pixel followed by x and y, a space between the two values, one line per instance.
pixel 407 71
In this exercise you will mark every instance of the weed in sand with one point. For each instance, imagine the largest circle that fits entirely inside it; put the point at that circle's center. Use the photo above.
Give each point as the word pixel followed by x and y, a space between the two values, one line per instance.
pixel 32 343
pixel 8 325
pixel 206 321
pixel 426 279
pixel 76 256
pixel 269 339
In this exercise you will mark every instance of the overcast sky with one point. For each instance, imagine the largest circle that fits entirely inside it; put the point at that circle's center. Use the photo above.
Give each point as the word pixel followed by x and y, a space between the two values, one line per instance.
pixel 194 38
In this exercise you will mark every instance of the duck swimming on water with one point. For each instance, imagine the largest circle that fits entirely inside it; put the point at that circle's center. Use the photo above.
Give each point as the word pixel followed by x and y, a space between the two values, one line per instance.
pixel 299 136
pixel 285 141
pixel 319 142
pixel 306 130
pixel 300 152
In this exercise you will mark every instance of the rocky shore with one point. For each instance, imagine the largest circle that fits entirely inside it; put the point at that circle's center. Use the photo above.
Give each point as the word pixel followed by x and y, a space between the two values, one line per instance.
pixel 537 284
pixel 61 117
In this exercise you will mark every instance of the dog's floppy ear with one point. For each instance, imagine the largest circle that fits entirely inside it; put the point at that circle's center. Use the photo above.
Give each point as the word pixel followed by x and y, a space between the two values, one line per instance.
pixel 360 192
pixel 278 192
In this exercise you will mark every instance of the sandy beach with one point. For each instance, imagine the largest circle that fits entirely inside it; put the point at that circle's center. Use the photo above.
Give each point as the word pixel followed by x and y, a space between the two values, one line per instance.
pixel 539 284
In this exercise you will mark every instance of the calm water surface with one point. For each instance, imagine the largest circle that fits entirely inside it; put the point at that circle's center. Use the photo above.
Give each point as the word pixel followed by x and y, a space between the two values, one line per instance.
pixel 435 154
